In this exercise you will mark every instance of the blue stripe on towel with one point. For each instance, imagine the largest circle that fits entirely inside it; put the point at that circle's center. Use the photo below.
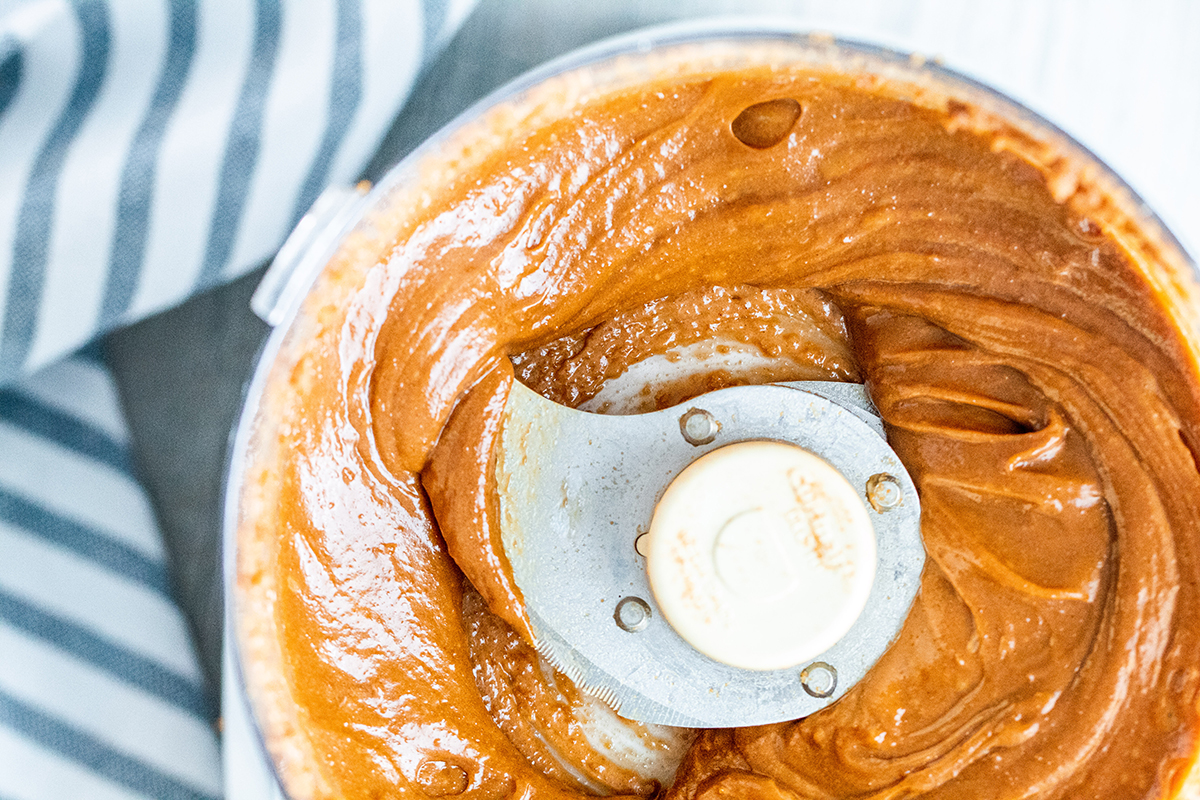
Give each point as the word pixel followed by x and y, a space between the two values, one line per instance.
pixel 122 663
pixel 138 178
pixel 84 541
pixel 53 425
pixel 92 352
pixel 12 64
pixel 76 745
pixel 345 94
pixel 35 221
pixel 435 12
pixel 241 148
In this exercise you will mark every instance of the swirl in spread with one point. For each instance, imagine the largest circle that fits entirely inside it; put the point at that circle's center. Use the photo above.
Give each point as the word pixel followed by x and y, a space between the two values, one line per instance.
pixel 1027 374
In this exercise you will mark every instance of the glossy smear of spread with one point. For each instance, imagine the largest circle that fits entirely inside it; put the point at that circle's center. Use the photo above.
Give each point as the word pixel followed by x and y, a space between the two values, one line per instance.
pixel 1041 399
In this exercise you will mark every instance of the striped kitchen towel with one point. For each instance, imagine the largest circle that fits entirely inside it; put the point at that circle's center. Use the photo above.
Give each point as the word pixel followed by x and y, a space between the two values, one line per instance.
pixel 152 148
pixel 100 692
pixel 148 149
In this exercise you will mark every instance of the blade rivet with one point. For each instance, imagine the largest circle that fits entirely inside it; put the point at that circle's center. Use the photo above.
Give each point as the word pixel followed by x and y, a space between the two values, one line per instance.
pixel 632 614
pixel 819 679
pixel 698 426
pixel 884 492
pixel 641 543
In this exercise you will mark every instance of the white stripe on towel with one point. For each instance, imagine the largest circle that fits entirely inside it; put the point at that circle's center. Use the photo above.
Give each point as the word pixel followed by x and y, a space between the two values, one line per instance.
pixel 186 188
pixel 391 47
pixel 86 202
pixel 48 35
pixel 83 389
pixel 97 496
pixel 33 772
pixel 76 588
pixel 98 678
pixel 291 129
pixel 160 735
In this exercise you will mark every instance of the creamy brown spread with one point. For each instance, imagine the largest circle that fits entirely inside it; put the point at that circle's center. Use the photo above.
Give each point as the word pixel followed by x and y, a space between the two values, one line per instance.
pixel 1029 377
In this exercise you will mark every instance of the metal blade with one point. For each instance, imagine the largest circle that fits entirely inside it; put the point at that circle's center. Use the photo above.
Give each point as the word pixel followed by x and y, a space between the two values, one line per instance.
pixel 577 489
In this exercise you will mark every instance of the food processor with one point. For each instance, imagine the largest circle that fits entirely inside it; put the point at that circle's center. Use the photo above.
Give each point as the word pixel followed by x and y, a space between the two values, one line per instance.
pixel 743 557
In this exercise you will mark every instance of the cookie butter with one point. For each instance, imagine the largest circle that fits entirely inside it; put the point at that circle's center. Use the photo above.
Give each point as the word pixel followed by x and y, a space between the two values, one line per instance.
pixel 1011 325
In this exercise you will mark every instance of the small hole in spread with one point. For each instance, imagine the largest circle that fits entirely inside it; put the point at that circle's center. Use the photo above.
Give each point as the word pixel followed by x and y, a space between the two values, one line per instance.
pixel 764 125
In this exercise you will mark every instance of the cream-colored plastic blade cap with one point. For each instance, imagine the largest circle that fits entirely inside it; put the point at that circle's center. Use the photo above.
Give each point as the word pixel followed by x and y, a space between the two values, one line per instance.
pixel 761 555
